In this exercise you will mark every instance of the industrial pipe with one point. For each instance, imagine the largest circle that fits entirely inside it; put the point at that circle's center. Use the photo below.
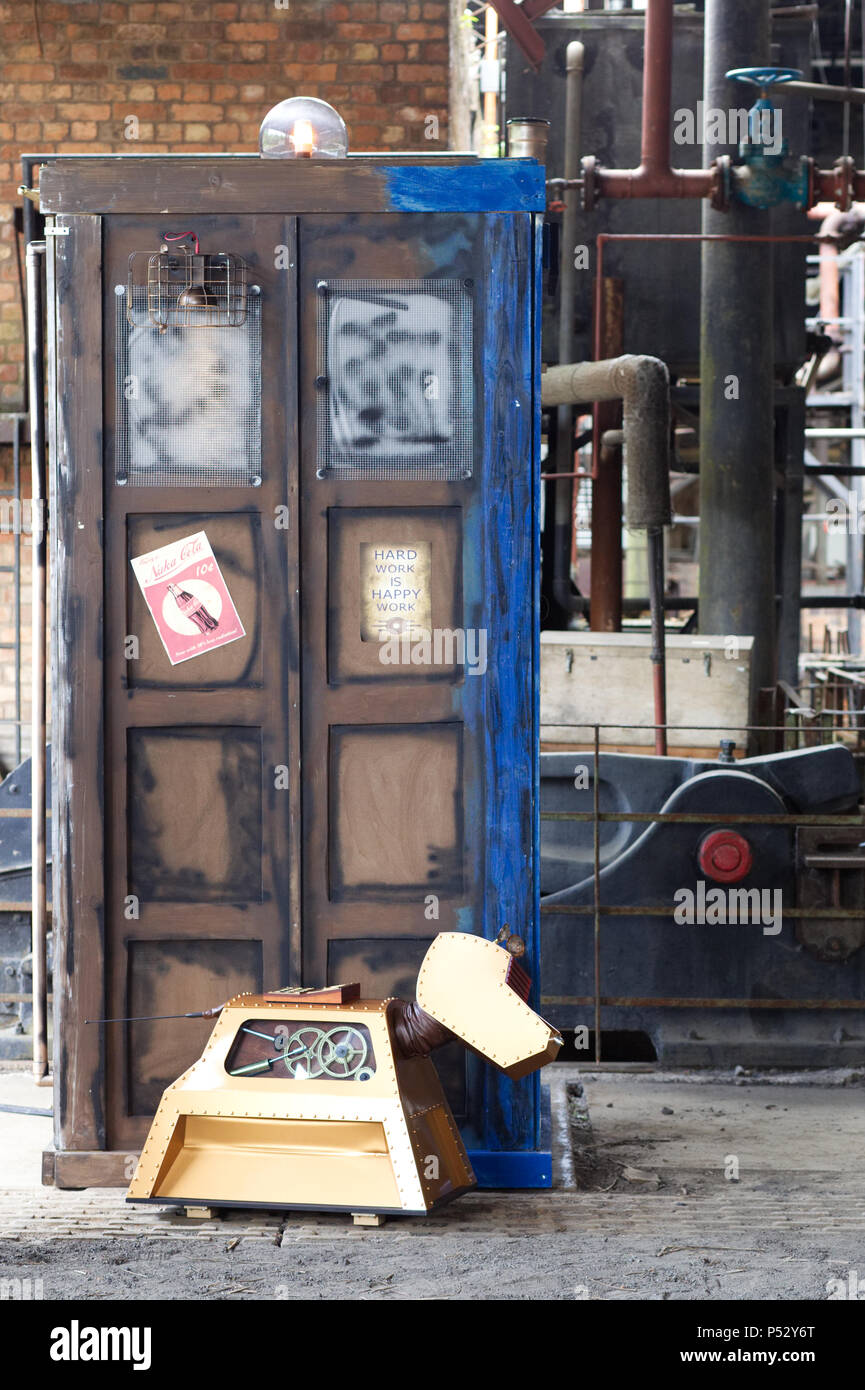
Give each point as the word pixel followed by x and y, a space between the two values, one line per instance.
pixel 38 529
pixel 823 91
pixel 655 541
pixel 654 177
pixel 563 495
pixel 643 385
pixel 737 449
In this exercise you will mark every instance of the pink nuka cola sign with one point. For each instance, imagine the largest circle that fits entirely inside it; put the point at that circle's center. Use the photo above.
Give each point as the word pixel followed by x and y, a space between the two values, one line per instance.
pixel 188 600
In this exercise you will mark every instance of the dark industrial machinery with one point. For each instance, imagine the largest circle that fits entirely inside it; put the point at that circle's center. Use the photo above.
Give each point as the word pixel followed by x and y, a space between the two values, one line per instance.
pixel 731 909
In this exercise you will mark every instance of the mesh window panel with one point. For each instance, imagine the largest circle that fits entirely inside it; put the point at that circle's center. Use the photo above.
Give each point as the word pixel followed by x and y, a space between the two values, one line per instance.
pixel 188 404
pixel 395 379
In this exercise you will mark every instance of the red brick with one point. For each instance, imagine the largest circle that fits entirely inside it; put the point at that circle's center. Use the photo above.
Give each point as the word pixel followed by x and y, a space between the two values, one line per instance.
pixel 192 111
pixel 246 33
pixel 83 111
pixel 365 31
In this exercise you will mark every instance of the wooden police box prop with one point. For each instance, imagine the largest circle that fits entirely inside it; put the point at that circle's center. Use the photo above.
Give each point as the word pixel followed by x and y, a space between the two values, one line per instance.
pixel 294 417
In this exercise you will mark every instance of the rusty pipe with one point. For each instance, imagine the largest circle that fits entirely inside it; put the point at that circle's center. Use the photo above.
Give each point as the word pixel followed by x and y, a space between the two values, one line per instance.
pixel 654 177
pixel 39 924
pixel 657 88
pixel 563 492
pixel 642 384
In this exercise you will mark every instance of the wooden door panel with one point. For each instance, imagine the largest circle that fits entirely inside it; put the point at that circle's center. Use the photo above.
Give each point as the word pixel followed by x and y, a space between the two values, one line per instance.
pixel 195 814
pixel 163 975
pixel 202 757
pixel 393 833
pixel 396 811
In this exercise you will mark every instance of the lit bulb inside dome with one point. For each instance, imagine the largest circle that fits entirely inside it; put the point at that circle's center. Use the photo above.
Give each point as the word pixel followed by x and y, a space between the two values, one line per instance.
pixel 302 138
pixel 303 128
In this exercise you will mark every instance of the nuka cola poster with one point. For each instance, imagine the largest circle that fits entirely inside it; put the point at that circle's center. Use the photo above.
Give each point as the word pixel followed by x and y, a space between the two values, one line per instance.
pixel 188 599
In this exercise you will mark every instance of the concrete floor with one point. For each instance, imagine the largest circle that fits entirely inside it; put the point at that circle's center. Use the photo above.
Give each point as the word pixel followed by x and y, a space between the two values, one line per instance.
pixel 691 1186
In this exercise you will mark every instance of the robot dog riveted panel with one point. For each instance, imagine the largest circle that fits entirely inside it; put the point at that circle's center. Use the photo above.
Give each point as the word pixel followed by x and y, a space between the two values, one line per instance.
pixel 471 985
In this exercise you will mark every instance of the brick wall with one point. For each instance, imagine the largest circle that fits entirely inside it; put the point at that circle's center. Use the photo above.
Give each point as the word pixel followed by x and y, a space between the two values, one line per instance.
pixel 197 76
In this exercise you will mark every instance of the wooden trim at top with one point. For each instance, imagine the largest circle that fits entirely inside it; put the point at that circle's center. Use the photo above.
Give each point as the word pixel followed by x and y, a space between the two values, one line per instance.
pixel 240 184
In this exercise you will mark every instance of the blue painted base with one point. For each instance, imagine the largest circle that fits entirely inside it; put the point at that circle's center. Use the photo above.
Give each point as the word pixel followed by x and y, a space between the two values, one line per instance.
pixel 519 1168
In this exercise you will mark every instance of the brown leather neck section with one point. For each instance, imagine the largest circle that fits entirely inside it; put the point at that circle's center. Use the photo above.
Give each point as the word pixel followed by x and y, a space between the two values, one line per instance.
pixel 415 1031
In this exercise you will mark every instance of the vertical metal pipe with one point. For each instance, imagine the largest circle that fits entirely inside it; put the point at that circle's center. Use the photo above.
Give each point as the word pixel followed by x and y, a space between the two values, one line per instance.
pixel 17 513
pixel 657 86
pixel 563 495
pixel 490 99
pixel 35 251
pixel 605 610
pixel 596 877
pixel 655 538
pixel 737 586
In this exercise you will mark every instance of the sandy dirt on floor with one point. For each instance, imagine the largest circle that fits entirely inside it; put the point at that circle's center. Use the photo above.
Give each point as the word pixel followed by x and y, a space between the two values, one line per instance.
pixel 646 1208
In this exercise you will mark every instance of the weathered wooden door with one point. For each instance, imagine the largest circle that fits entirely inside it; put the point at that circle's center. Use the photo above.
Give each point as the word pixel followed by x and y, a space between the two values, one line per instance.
pixel 415 397
pixel 199 835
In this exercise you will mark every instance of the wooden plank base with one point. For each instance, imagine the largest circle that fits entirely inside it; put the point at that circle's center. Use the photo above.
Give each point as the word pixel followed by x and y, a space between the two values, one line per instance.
pixel 71 1168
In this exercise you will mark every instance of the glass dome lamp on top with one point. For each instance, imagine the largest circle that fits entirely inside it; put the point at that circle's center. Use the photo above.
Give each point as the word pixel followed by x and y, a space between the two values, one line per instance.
pixel 303 128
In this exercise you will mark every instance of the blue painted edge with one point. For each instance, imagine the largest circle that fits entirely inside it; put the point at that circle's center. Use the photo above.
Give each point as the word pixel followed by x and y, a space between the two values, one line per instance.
pixel 489 185
pixel 520 1168
pixel 542 1095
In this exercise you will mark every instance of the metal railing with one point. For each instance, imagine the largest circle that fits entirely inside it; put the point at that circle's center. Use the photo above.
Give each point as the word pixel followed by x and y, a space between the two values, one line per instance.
pixel 599 911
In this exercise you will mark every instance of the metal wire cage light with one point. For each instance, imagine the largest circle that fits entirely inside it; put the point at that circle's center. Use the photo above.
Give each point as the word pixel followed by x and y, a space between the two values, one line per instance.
pixel 179 287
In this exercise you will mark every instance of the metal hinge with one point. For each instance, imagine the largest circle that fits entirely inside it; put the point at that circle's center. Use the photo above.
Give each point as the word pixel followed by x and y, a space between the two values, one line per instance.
pixel 57 231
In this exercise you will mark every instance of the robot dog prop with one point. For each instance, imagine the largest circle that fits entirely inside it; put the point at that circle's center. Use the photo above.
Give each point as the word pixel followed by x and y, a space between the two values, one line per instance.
pixel 320 1099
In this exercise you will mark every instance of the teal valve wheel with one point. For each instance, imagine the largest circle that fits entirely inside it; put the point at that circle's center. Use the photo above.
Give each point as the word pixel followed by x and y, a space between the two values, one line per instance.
pixel 764 77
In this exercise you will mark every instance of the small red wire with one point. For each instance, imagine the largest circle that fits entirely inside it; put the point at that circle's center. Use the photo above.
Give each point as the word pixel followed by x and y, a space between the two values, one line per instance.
pixel 180 237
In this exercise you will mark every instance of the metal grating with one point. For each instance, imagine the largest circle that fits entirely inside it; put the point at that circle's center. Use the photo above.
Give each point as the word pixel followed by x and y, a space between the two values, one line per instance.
pixel 395 379
pixel 188 406
pixel 188 290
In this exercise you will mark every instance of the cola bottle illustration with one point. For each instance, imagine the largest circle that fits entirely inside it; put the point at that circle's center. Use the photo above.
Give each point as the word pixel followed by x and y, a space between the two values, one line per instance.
pixel 193 609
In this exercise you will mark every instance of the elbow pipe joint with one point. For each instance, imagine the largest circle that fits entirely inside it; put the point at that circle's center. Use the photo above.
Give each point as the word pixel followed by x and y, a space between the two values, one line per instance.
pixel 642 383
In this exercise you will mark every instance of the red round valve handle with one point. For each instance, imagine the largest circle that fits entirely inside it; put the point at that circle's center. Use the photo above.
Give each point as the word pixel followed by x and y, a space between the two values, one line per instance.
pixel 725 856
